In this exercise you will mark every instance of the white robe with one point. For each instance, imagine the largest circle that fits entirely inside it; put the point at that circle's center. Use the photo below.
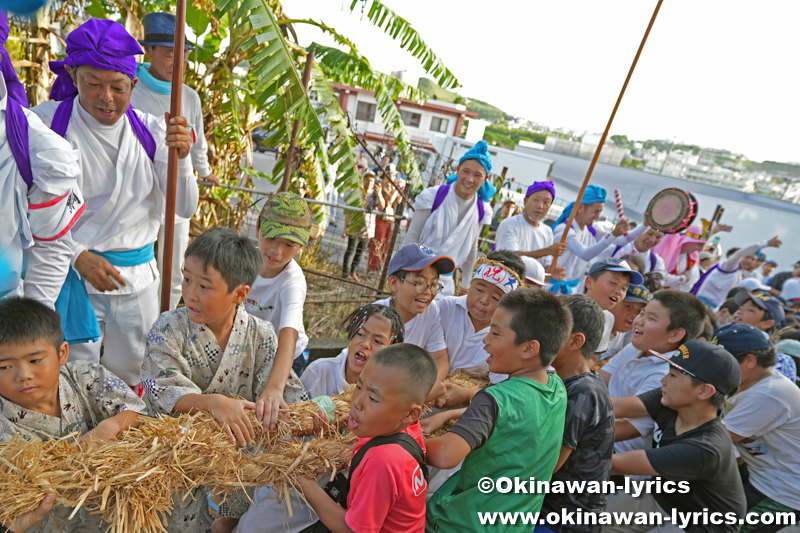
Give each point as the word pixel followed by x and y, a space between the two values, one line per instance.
pixel 443 232
pixel 37 221
pixel 124 197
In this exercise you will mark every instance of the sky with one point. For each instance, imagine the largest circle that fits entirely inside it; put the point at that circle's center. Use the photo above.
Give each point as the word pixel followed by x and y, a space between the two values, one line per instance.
pixel 716 73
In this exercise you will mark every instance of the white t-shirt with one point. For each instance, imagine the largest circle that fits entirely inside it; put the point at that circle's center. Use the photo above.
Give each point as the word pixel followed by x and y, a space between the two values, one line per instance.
pixel 632 375
pixel 615 344
pixel 425 329
pixel 768 416
pixel 280 300
pixel 516 234
pixel 325 375
pixel 606 338
pixel 464 344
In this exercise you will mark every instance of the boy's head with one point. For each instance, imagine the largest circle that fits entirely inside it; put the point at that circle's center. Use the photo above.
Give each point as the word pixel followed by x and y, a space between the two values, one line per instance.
pixel 538 199
pixel 414 278
pixel 587 329
pixel 791 293
pixel 608 282
pixel 700 372
pixel 535 276
pixel 284 229
pixel 626 311
pixel 528 329
pixel 370 328
pixel 32 349
pixel 769 267
pixel 749 346
pixel 218 269
pixel 761 310
pixel 391 390
pixel 672 317
pixel 635 262
pixel 497 274
pixel 749 262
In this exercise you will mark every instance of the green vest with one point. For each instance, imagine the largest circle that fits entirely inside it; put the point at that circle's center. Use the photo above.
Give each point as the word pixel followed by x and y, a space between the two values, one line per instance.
pixel 525 443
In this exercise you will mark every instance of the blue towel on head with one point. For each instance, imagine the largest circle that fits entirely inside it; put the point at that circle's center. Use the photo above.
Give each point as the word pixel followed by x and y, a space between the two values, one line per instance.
pixel 485 193
pixel 592 195
pixel 479 152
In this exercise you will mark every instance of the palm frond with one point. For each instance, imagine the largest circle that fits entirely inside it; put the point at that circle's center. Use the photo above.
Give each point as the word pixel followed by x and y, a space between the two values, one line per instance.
pixel 400 29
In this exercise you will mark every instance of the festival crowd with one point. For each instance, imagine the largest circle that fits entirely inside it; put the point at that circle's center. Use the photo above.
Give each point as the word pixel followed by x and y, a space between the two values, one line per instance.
pixel 623 352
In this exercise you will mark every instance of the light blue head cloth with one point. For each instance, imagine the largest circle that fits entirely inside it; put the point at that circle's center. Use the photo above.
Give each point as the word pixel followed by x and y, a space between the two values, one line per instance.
pixel 479 152
pixel 593 195
pixel 485 193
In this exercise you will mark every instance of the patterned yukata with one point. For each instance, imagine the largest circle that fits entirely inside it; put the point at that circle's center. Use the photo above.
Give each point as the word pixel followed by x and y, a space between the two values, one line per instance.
pixel 186 358
pixel 88 394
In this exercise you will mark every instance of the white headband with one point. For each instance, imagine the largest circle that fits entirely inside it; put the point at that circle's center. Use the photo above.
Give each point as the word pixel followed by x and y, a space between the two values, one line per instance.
pixel 497 275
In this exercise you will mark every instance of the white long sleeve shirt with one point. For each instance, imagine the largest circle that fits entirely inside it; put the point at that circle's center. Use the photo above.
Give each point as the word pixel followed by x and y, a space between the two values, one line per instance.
pixel 37 220
pixel 124 190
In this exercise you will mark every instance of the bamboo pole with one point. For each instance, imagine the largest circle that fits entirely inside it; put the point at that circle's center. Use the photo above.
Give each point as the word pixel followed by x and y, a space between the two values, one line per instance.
pixel 172 165
pixel 605 133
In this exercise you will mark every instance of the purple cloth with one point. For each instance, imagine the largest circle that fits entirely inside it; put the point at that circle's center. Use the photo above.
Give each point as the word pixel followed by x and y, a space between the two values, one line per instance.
pixel 17 134
pixel 16 91
pixel 99 43
pixel 542 186
pixel 145 136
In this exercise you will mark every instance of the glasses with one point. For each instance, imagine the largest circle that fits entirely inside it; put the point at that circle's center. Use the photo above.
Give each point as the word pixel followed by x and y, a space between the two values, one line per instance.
pixel 422 287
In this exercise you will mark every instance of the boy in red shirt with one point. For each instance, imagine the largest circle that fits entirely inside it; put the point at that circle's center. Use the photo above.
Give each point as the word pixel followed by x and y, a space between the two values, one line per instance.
pixel 388 482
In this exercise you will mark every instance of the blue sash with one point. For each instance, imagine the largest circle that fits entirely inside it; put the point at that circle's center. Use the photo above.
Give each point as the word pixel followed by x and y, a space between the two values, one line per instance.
pixel 563 286
pixel 78 319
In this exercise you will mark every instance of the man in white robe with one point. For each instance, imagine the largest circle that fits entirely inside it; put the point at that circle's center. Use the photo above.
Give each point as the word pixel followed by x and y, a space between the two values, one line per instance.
pixel 37 216
pixel 123 159
pixel 584 243
pixel 449 220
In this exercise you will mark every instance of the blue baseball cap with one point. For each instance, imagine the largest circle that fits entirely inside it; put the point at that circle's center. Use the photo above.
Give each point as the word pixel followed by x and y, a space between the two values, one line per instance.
pixel 765 301
pixel 740 338
pixel 617 265
pixel 416 257
pixel 638 293
pixel 708 362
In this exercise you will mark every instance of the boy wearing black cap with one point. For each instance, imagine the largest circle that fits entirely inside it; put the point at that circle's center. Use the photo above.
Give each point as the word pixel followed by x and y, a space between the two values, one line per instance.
pixel 607 283
pixel 414 279
pixel 761 310
pixel 693 447
pixel 763 420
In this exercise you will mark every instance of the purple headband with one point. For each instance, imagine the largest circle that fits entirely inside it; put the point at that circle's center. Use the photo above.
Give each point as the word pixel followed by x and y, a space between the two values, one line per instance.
pixel 99 43
pixel 541 186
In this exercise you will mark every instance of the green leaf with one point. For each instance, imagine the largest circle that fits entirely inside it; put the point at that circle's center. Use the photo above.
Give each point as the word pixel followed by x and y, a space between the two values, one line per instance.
pixel 400 29
pixel 96 9
pixel 197 19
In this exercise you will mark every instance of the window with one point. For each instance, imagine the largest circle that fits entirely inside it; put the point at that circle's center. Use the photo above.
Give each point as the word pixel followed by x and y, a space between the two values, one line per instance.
pixel 366 111
pixel 439 124
pixel 411 119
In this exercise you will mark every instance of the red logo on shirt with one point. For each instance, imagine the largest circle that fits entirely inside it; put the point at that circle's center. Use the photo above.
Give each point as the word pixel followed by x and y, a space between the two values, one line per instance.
pixel 418 482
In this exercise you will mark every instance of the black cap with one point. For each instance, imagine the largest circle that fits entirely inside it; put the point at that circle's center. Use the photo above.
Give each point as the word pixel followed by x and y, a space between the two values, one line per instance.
pixel 740 338
pixel 707 362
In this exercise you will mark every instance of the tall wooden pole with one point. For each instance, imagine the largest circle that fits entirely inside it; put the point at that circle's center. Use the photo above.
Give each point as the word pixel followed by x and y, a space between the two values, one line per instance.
pixel 172 167
pixel 605 133
pixel 287 170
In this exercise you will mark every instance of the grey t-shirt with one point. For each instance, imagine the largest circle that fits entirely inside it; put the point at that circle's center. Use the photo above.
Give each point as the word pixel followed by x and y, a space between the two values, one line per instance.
pixel 589 431
pixel 702 456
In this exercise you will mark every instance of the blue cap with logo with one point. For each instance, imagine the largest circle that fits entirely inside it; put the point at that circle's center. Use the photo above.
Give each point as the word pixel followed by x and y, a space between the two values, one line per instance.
pixel 765 301
pixel 617 265
pixel 740 338
pixel 638 293
pixel 415 257
pixel 708 362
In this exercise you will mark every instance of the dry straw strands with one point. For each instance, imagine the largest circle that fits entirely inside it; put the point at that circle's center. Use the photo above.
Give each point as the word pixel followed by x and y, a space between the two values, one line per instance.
pixel 471 381
pixel 131 481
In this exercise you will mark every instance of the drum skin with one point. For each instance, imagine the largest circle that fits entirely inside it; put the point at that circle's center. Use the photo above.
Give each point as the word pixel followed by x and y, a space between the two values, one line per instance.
pixel 671 210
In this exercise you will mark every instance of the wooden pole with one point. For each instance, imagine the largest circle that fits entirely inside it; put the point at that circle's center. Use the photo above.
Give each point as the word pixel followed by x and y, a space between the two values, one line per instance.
pixel 287 170
pixel 605 133
pixel 172 165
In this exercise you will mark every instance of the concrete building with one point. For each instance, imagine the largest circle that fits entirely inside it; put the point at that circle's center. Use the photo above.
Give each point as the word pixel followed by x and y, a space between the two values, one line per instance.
pixel 423 121
pixel 611 154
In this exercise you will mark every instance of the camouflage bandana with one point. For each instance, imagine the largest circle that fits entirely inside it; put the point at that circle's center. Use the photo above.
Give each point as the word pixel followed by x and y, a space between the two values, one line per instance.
pixel 286 216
